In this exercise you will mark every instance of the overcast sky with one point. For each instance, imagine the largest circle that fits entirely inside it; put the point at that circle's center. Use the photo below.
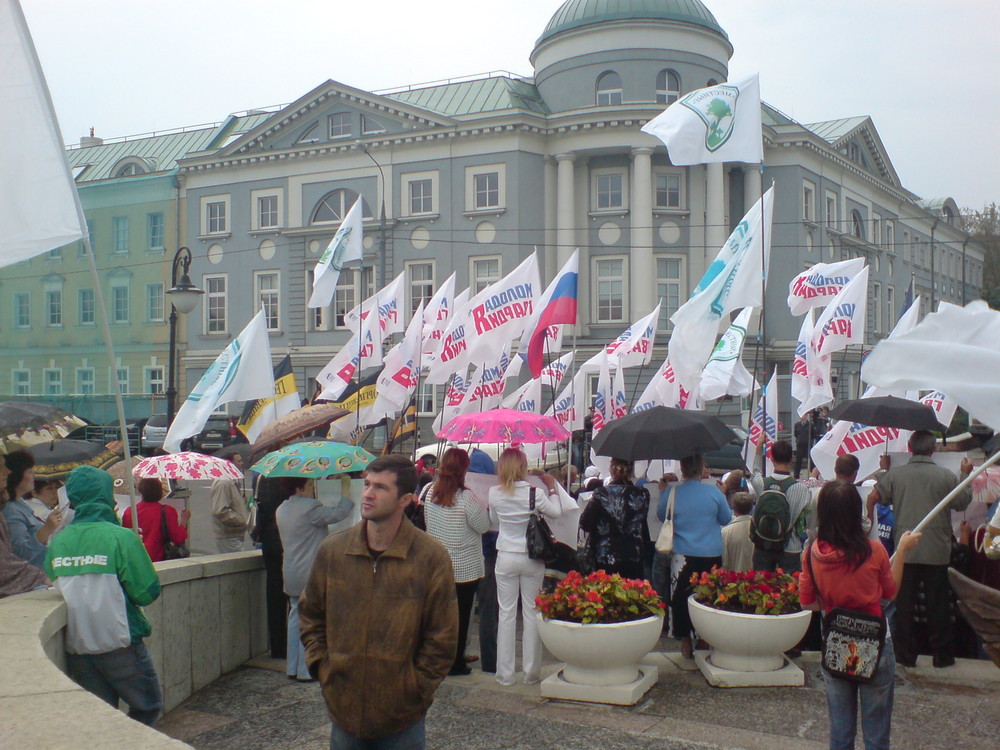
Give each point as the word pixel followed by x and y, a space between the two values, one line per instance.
pixel 925 71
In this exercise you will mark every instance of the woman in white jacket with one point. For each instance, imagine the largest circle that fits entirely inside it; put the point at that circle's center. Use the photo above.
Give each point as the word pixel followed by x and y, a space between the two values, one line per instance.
pixel 516 573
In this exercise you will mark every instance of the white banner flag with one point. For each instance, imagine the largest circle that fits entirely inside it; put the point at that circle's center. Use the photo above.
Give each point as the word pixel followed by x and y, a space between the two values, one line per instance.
pixel 725 373
pixel 821 283
pixel 484 391
pixel 362 350
pixel 842 323
pixel 811 385
pixel 401 371
pixel 732 281
pixel 634 346
pixel 564 410
pixel 386 305
pixel 437 314
pixel 944 406
pixel 715 124
pixel 527 398
pixel 242 372
pixel 602 398
pixel 38 201
pixel 553 374
pixel 345 246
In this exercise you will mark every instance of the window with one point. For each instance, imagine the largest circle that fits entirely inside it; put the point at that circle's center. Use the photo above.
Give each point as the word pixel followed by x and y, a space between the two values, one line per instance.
pixel 876 317
pixel 421 197
pixel 485 271
pixel 20 381
pixel 53 308
pixel 154 303
pixel 609 89
pixel 949 215
pixel 85 381
pixel 669 288
pixel 427 399
pixel 268 295
pixel 55 253
pixel 831 211
pixel 890 305
pixel 216 307
pixel 668 87
pixel 668 190
pixel 877 229
pixel 154 380
pixel 215 214
pixel 119 234
pixel 53 382
pixel 216 217
pixel 371 126
pixel 421 277
pixel 81 248
pixel 309 135
pixel 487 189
pixel 347 294
pixel 808 202
pixel 333 207
pixel 22 309
pixel 907 248
pixel 854 152
pixel 608 190
pixel 119 303
pixel 609 289
pixel 890 236
pixel 154 231
pixel 87 306
pixel 267 211
pixel 122 373
pixel 129 170
pixel 857 225
pixel 339 124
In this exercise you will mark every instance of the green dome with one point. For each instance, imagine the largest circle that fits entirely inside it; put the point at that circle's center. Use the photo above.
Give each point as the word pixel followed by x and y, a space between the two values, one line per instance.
pixel 574 14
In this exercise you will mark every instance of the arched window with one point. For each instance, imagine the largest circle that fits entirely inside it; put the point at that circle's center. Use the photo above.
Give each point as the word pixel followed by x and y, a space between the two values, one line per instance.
pixel 668 87
pixel 333 207
pixel 712 82
pixel 609 89
pixel 129 170
pixel 857 225
pixel 949 215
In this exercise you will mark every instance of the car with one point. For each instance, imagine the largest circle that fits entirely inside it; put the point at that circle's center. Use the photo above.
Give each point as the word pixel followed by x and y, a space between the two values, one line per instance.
pixel 729 456
pixel 153 434
pixel 219 432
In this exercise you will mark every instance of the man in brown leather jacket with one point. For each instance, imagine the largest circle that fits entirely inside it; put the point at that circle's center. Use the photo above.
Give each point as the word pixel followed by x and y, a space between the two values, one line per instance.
pixel 379 619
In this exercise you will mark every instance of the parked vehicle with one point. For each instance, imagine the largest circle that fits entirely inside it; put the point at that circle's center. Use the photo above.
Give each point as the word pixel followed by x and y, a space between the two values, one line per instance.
pixel 219 432
pixel 153 434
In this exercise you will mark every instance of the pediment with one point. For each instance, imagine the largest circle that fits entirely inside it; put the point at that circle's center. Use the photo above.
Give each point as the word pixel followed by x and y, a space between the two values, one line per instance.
pixel 333 114
pixel 857 139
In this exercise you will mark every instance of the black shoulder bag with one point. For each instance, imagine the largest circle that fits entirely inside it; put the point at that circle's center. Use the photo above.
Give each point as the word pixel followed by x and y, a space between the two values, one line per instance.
pixel 541 543
pixel 852 640
pixel 171 551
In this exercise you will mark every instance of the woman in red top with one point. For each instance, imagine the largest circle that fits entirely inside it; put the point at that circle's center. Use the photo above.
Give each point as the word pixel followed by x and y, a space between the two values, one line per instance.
pixel 853 571
pixel 151 512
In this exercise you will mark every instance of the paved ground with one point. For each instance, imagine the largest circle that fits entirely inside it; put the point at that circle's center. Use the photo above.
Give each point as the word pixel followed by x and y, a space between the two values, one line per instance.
pixel 257 706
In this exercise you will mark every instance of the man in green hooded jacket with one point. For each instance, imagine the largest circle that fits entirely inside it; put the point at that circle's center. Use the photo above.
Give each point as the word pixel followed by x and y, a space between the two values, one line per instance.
pixel 105 576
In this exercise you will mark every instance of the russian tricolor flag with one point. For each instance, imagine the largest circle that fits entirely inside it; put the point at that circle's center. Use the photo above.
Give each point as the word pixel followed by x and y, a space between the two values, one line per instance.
pixel 557 306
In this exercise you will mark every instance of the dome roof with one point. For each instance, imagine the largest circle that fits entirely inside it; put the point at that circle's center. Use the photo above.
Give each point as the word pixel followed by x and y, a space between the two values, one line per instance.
pixel 574 14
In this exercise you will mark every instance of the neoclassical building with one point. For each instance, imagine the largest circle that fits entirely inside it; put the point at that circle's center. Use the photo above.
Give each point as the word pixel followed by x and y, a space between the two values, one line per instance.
pixel 475 174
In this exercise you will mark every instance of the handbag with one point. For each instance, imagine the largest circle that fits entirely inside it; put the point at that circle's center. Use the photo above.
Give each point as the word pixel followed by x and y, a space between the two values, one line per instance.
pixel 171 551
pixel 541 544
pixel 665 539
pixel 853 641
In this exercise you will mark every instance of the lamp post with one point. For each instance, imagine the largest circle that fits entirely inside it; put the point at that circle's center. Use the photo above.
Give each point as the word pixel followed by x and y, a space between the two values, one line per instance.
pixel 183 297
pixel 381 220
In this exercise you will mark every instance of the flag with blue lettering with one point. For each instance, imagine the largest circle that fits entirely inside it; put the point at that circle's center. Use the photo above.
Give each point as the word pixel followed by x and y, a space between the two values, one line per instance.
pixel 842 323
pixel 822 282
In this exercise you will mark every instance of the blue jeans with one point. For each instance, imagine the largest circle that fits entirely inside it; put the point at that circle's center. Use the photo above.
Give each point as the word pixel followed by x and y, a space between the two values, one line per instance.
pixel 126 673
pixel 411 738
pixel 489 615
pixel 876 706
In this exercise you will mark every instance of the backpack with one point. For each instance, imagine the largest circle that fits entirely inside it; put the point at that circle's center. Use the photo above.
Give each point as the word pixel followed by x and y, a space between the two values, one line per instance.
pixel 771 523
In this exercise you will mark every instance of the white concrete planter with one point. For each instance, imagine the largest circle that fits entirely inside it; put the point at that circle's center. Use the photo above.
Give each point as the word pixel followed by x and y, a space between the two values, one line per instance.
pixel 748 643
pixel 597 654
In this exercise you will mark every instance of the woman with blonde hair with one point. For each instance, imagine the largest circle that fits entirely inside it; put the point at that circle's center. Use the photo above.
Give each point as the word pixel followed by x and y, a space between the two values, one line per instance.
pixel 516 573
pixel 456 519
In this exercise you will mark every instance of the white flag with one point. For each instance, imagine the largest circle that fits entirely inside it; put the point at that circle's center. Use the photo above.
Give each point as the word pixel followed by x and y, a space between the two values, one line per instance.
pixel 619 401
pixel 553 374
pixel 715 124
pixel 242 372
pixel 732 281
pixel 484 391
pixel 602 398
pixel 842 323
pixel 527 398
pixel 402 369
pixel 634 346
pixel 362 350
pixel 955 350
pixel 725 374
pixel 39 209
pixel 944 407
pixel 764 420
pixel 345 246
pixel 564 409
pixel 386 305
pixel 437 314
pixel 811 385
pixel 821 283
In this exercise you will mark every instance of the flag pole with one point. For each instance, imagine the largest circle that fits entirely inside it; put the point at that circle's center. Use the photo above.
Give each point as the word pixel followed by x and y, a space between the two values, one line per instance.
pixel 416 401
pixel 572 393
pixel 552 379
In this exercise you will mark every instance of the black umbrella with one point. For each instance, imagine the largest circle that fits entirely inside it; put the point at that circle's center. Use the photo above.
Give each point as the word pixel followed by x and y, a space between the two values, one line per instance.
pixel 662 433
pixel 56 459
pixel 888 411
pixel 24 423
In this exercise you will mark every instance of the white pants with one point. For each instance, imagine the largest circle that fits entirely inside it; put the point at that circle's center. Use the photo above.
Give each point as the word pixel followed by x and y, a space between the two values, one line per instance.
pixel 517 573
pixel 229 544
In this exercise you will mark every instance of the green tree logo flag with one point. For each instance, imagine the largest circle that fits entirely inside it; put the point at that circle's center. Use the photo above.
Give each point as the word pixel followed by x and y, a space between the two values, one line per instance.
pixel 716 107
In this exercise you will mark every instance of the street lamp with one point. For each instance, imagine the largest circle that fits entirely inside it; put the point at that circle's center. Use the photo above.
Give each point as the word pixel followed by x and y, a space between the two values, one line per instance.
pixel 381 220
pixel 183 297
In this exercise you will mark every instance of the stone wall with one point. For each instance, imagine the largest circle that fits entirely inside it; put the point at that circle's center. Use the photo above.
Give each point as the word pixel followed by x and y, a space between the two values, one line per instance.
pixel 209 619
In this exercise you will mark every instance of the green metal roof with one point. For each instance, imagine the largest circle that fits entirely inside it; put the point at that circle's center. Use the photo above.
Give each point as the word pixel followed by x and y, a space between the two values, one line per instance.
pixel 473 97
pixel 158 152
pixel 574 14
pixel 772 117
pixel 832 131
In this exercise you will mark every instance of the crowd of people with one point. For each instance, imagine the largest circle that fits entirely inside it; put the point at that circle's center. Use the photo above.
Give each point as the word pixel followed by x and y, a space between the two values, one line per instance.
pixel 430 551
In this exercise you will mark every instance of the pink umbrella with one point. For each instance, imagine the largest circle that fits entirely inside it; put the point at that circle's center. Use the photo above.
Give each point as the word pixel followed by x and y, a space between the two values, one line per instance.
pixel 503 426
pixel 186 465
pixel 986 485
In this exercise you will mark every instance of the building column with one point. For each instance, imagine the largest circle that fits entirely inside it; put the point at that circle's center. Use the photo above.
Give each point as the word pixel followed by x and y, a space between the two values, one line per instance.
pixel 643 268
pixel 715 212
pixel 565 202
pixel 751 185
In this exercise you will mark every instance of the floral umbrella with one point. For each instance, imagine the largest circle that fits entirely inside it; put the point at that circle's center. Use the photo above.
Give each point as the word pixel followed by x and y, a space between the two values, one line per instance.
pixel 295 424
pixel 186 465
pixel 503 426
pixel 316 459
pixel 120 472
